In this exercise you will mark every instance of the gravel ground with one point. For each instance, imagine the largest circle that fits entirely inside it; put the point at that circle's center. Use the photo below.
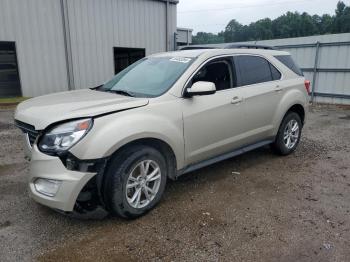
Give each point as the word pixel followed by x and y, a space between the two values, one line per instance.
pixel 255 207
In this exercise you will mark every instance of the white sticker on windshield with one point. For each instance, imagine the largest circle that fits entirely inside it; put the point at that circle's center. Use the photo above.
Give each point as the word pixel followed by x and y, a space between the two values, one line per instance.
pixel 184 60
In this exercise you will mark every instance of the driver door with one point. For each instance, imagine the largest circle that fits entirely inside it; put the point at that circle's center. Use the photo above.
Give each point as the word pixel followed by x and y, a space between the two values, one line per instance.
pixel 213 123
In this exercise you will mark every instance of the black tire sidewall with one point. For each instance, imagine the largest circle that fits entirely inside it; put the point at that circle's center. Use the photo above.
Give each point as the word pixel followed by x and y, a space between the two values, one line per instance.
pixel 117 175
pixel 279 143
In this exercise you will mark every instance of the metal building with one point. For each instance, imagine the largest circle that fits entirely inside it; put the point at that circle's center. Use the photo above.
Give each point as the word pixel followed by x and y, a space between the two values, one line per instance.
pixel 56 45
pixel 184 36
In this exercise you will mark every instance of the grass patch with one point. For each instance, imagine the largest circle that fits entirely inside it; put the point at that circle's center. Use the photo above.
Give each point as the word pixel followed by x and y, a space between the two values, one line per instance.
pixel 12 100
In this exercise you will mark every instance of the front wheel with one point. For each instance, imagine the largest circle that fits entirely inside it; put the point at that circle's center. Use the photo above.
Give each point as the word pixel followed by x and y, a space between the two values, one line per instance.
pixel 289 133
pixel 135 181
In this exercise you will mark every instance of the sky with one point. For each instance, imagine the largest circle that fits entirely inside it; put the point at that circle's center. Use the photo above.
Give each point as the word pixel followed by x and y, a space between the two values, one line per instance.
pixel 213 15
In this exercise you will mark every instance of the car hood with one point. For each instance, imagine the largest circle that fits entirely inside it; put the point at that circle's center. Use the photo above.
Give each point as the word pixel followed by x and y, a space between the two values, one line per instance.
pixel 45 110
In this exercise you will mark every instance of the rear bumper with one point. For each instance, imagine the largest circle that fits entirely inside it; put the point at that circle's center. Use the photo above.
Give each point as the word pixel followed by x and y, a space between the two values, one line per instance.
pixel 50 167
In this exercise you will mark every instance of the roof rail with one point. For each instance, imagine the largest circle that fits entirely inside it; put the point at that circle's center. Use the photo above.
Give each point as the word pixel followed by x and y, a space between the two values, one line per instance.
pixel 189 47
pixel 249 46
pixel 229 46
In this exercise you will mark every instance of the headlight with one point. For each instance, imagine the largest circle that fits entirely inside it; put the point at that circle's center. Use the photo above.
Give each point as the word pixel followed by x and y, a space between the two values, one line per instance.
pixel 62 137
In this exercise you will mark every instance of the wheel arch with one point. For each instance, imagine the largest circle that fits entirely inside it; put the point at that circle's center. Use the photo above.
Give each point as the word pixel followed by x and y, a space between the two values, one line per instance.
pixel 163 147
pixel 299 109
pixel 294 100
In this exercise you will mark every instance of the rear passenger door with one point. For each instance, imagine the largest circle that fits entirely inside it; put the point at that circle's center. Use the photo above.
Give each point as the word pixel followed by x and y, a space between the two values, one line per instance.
pixel 263 89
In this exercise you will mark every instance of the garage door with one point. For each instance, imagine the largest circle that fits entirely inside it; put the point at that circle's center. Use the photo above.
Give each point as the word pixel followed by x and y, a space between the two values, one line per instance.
pixel 9 77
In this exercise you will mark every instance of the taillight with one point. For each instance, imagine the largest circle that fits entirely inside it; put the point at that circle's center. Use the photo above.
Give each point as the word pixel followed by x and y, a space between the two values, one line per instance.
pixel 307 86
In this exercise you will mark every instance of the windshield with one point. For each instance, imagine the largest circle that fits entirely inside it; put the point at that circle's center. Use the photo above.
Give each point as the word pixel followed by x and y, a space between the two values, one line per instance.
pixel 148 77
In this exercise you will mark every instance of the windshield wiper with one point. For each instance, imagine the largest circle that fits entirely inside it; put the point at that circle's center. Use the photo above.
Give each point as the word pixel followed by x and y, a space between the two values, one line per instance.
pixel 121 92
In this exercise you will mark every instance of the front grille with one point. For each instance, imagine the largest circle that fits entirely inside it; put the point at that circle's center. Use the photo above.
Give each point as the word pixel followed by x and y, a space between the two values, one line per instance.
pixel 28 129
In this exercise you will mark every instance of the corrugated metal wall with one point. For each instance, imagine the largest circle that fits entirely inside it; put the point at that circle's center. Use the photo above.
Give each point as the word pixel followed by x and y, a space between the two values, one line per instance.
pixel 337 57
pixel 98 26
pixel 172 25
pixel 95 26
pixel 36 27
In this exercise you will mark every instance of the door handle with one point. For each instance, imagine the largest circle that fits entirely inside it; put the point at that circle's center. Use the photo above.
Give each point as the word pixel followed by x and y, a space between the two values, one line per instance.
pixel 278 88
pixel 236 100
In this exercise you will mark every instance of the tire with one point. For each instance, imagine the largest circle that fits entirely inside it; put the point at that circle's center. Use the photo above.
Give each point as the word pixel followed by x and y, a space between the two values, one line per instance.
pixel 280 145
pixel 124 170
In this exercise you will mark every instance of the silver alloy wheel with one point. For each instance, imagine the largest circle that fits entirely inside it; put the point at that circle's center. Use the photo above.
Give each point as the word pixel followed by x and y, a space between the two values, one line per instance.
pixel 143 183
pixel 291 134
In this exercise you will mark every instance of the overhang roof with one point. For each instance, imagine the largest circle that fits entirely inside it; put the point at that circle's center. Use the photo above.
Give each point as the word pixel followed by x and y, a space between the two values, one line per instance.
pixel 184 29
pixel 170 1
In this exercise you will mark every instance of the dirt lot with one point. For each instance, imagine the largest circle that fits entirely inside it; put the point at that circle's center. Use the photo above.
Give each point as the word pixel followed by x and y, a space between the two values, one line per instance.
pixel 255 207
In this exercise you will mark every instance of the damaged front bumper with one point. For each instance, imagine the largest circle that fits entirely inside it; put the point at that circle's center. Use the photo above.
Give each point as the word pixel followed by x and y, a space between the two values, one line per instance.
pixel 52 184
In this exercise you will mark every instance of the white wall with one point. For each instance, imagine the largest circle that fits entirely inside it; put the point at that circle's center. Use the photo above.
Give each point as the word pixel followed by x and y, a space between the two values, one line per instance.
pixel 184 35
pixel 36 27
pixel 96 26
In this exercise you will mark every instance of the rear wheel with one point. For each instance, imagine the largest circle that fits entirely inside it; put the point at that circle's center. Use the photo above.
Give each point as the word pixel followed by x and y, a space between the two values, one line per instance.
pixel 135 181
pixel 289 133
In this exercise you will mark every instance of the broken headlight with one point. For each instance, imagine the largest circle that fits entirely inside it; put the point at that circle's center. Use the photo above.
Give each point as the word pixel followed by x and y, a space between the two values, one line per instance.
pixel 62 137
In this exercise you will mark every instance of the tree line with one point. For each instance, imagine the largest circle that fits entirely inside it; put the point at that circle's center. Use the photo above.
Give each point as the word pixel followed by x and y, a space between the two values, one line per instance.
pixel 291 24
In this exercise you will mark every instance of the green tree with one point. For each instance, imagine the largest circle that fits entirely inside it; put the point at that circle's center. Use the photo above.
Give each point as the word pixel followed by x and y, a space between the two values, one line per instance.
pixel 324 23
pixel 307 26
pixel 290 24
pixel 342 18
pixel 233 31
pixel 207 38
pixel 261 30
pixel 327 24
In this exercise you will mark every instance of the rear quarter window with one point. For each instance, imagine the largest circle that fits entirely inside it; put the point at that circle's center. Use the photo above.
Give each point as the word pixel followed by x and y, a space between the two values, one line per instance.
pixel 288 62
pixel 276 75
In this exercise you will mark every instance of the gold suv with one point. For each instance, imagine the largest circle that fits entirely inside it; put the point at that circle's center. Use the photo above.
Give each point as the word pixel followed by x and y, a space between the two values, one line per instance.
pixel 114 147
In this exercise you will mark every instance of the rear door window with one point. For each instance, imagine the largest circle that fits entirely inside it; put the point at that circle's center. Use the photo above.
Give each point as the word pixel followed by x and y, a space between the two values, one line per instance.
pixel 288 62
pixel 254 69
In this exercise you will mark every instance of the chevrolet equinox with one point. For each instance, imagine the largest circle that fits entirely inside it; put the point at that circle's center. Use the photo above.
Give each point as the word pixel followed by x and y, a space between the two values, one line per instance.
pixel 113 147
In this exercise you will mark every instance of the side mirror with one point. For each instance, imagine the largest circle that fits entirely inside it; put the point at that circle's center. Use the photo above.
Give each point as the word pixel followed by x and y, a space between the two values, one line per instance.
pixel 201 88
